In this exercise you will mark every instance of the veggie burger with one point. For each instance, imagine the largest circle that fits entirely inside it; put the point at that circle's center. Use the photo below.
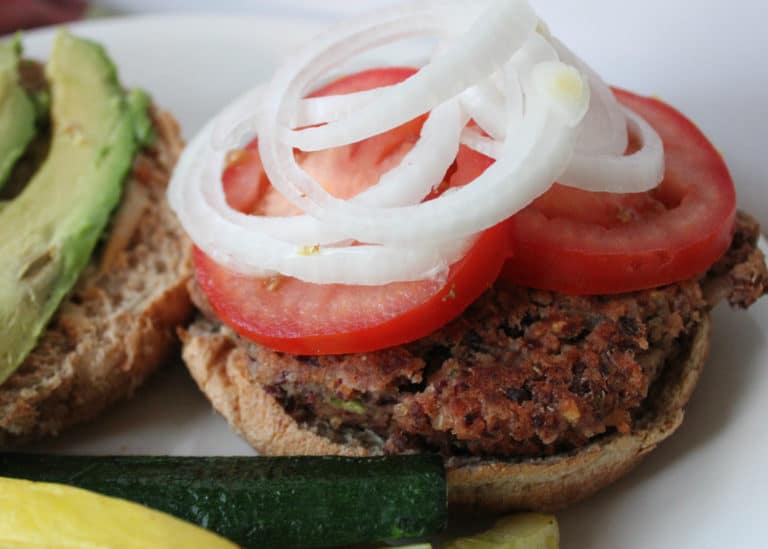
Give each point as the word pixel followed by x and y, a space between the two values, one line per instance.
pixel 495 257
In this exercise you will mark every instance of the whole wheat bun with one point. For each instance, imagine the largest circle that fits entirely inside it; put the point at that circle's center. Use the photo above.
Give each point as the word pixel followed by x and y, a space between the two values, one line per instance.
pixel 119 322
pixel 219 365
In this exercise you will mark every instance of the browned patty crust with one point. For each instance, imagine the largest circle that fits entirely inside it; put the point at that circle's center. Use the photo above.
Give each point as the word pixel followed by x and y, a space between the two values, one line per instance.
pixel 521 373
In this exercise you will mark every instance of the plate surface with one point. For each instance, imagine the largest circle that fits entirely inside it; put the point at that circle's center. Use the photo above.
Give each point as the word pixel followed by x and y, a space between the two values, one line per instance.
pixel 706 487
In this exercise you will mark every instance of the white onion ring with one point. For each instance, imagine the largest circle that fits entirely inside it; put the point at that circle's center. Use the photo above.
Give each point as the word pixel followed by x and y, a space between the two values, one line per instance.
pixel 483 49
pixel 637 172
pixel 229 245
pixel 487 107
pixel 604 129
pixel 634 173
pixel 506 76
pixel 233 126
pixel 550 123
pixel 414 18
pixel 478 142
pixel 590 169
pixel 258 254
pixel 492 110
pixel 231 129
pixel 420 170
pixel 535 50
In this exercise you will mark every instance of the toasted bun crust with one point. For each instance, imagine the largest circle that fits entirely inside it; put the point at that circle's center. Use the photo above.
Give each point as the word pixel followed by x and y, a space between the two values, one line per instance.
pixel 118 324
pixel 220 368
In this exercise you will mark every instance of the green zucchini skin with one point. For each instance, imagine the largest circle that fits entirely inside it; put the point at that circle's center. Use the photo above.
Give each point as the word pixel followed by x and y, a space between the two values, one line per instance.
pixel 266 501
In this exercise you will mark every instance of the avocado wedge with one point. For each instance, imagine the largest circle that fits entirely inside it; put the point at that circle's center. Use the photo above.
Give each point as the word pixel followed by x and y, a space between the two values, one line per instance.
pixel 17 111
pixel 49 231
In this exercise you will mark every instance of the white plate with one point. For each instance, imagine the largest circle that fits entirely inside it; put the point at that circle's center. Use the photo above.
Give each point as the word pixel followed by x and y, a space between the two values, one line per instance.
pixel 704 488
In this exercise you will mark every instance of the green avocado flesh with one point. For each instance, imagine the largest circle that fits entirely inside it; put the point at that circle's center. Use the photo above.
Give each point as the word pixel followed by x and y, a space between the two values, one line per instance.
pixel 17 111
pixel 138 104
pixel 49 231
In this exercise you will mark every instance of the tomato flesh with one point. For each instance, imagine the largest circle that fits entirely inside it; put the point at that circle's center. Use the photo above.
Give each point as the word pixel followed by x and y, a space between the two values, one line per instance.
pixel 580 242
pixel 292 316
pixel 297 317
pixel 568 240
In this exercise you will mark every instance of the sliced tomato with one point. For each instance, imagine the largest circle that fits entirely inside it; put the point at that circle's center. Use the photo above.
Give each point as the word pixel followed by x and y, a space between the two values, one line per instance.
pixel 580 242
pixel 365 80
pixel 244 165
pixel 292 316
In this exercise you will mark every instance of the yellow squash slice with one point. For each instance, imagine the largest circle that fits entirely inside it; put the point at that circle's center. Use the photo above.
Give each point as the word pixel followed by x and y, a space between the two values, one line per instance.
pixel 526 531
pixel 56 516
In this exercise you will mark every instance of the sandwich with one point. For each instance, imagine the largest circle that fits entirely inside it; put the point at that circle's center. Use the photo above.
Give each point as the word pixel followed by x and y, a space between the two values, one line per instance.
pixel 495 257
pixel 94 264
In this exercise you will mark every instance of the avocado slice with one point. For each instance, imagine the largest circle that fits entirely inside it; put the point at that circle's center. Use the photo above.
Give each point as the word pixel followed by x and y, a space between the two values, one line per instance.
pixel 49 231
pixel 17 111
pixel 138 103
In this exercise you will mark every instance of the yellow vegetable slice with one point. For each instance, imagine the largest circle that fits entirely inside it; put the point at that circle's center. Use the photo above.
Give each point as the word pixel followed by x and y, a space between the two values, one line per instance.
pixel 56 516
pixel 527 531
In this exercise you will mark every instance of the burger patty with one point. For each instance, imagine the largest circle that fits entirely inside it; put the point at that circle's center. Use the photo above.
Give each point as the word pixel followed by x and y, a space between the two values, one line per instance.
pixel 521 372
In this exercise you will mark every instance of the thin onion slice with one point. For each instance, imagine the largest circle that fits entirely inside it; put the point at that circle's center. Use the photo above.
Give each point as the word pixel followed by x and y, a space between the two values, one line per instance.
pixel 234 126
pixel 410 19
pixel 538 152
pixel 492 110
pixel 475 140
pixel 255 253
pixel 543 119
pixel 634 173
pixel 535 50
pixel 239 122
pixel 604 129
pixel 487 107
pixel 419 172
pixel 482 49
pixel 637 172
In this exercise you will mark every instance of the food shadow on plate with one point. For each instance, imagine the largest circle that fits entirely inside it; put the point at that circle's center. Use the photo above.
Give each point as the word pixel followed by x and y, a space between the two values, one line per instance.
pixel 732 364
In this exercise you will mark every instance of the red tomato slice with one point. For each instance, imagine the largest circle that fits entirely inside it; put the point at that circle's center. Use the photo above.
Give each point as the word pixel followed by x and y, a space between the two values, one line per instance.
pixel 244 165
pixel 580 242
pixel 292 316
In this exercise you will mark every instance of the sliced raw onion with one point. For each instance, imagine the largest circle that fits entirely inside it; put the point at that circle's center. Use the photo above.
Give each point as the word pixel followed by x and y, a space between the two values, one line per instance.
pixel 419 172
pixel 475 140
pixel 634 173
pixel 604 129
pixel 487 107
pixel 258 254
pixel 546 135
pixel 239 122
pixel 535 155
pixel 535 50
pixel 482 50
pixel 497 64
pixel 344 41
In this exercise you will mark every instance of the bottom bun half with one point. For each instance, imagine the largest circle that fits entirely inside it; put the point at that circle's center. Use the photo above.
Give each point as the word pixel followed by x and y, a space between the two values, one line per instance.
pixel 220 366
